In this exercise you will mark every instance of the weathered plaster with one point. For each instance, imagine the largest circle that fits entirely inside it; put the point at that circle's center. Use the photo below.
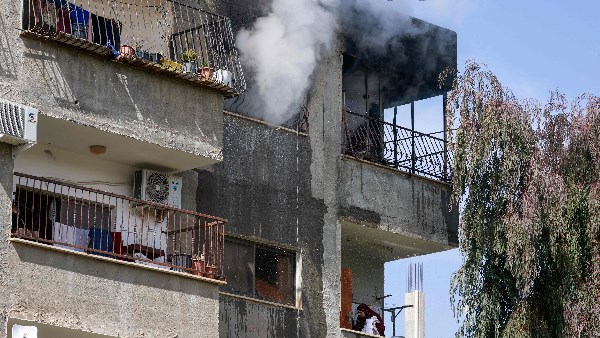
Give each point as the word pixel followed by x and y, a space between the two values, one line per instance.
pixel 77 86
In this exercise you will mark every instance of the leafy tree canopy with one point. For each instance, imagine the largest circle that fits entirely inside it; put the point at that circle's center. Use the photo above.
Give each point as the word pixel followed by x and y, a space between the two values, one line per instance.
pixel 526 176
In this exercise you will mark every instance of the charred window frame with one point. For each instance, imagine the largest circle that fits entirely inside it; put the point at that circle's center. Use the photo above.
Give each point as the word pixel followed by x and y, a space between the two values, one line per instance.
pixel 261 271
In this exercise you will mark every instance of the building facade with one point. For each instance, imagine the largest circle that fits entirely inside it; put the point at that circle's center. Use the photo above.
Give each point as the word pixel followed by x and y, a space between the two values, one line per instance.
pixel 140 208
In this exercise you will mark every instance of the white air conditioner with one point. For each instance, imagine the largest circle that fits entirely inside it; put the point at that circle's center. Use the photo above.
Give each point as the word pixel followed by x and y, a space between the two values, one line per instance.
pixel 18 123
pixel 157 187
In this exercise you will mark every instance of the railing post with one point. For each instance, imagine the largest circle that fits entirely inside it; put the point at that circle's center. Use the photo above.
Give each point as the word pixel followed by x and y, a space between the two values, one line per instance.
pixel 412 137
pixel 395 128
pixel 445 166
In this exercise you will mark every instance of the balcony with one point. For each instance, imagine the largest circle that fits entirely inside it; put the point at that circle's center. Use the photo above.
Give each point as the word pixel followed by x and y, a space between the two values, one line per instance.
pixel 163 36
pixel 108 225
pixel 387 143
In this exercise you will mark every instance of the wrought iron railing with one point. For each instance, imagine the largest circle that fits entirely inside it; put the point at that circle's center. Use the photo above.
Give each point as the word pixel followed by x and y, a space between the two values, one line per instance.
pixel 167 36
pixel 385 143
pixel 106 224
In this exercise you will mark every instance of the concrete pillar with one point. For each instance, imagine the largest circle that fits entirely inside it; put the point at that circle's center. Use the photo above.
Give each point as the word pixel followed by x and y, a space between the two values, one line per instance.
pixel 414 317
pixel 6 181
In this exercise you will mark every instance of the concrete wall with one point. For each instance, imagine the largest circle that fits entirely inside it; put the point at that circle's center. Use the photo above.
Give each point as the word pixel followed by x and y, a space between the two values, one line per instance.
pixel 263 186
pixel 396 202
pixel 77 86
pixel 107 298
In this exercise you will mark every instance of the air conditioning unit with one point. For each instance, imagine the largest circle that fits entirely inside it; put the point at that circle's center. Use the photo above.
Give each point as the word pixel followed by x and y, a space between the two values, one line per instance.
pixel 157 187
pixel 18 123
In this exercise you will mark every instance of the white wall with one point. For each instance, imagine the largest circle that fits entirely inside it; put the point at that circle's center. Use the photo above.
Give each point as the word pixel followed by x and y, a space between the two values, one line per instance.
pixel 86 170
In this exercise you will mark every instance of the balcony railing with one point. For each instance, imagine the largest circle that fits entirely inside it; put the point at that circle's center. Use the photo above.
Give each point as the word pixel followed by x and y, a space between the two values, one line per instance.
pixel 105 224
pixel 165 36
pixel 402 148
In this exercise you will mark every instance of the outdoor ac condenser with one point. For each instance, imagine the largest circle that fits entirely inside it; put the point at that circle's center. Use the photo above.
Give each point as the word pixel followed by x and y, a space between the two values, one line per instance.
pixel 157 187
pixel 18 123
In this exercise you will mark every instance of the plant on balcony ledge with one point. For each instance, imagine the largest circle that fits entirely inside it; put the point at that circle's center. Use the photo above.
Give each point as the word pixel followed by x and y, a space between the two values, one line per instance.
pixel 198 265
pixel 206 72
pixel 189 61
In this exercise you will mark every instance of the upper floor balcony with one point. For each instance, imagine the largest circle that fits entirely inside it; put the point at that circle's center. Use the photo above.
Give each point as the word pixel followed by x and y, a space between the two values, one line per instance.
pixel 176 38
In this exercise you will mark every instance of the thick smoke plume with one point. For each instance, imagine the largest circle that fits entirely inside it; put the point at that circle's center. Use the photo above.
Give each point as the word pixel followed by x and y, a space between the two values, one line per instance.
pixel 282 50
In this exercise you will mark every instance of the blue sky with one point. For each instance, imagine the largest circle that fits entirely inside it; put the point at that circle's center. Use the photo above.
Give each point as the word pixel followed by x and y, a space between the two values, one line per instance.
pixel 533 46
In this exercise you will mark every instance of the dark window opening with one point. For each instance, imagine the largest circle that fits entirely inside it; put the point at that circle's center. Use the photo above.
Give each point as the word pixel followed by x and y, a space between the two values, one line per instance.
pixel 260 271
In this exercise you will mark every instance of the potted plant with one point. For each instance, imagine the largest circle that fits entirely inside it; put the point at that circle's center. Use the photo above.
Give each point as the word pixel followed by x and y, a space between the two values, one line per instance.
pixel 198 265
pixel 206 72
pixel 171 65
pixel 189 61
pixel 209 271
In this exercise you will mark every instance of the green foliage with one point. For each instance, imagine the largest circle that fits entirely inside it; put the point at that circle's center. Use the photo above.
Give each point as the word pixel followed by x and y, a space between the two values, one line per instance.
pixel 189 55
pixel 527 178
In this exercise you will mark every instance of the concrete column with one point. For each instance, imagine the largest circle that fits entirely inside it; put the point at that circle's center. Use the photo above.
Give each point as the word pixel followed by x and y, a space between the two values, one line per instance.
pixel 414 317
pixel 325 107
pixel 6 181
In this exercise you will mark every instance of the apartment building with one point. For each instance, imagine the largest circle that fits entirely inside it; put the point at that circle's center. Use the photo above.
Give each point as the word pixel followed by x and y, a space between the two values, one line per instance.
pixel 140 198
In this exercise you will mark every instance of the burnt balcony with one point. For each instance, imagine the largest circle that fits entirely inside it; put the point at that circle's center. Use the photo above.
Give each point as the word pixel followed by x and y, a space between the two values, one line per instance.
pixel 174 38
pixel 387 143
pixel 80 219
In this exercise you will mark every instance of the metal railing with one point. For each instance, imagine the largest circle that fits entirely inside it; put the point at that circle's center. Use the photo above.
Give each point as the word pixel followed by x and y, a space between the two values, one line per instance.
pixel 392 145
pixel 167 36
pixel 106 224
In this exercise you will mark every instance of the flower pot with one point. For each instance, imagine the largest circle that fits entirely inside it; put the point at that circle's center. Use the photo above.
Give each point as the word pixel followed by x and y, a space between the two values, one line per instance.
pixel 198 267
pixel 207 72
pixel 139 53
pixel 127 51
pixel 209 271
pixel 189 67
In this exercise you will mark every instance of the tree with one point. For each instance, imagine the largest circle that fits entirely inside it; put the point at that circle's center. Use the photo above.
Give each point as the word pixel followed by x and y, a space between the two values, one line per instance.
pixel 526 176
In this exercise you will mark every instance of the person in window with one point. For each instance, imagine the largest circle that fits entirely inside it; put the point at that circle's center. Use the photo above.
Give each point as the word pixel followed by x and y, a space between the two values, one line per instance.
pixel 368 321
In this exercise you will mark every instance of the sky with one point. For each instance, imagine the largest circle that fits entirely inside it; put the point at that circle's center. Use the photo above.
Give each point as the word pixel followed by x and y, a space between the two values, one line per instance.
pixel 533 47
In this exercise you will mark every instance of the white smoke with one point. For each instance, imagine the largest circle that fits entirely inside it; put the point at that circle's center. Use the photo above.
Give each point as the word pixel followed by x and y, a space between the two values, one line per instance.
pixel 282 50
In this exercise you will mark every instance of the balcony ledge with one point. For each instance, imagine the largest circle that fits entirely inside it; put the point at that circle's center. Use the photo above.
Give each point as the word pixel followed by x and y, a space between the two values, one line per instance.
pixel 116 261
pixel 358 333
pixel 260 301
pixel 68 40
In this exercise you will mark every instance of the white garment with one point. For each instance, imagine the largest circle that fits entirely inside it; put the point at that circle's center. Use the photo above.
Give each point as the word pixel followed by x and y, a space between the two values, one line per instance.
pixel 370 326
pixel 70 235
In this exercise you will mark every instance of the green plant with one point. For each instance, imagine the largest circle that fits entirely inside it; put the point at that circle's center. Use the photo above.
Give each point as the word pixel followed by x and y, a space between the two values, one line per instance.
pixel 189 55
pixel 527 179
pixel 204 64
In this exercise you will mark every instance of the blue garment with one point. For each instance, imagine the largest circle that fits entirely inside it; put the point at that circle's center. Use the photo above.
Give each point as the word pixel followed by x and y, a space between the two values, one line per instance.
pixel 100 239
pixel 79 15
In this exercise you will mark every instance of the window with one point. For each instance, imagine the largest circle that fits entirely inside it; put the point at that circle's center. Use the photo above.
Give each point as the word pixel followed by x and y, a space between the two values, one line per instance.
pixel 260 271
